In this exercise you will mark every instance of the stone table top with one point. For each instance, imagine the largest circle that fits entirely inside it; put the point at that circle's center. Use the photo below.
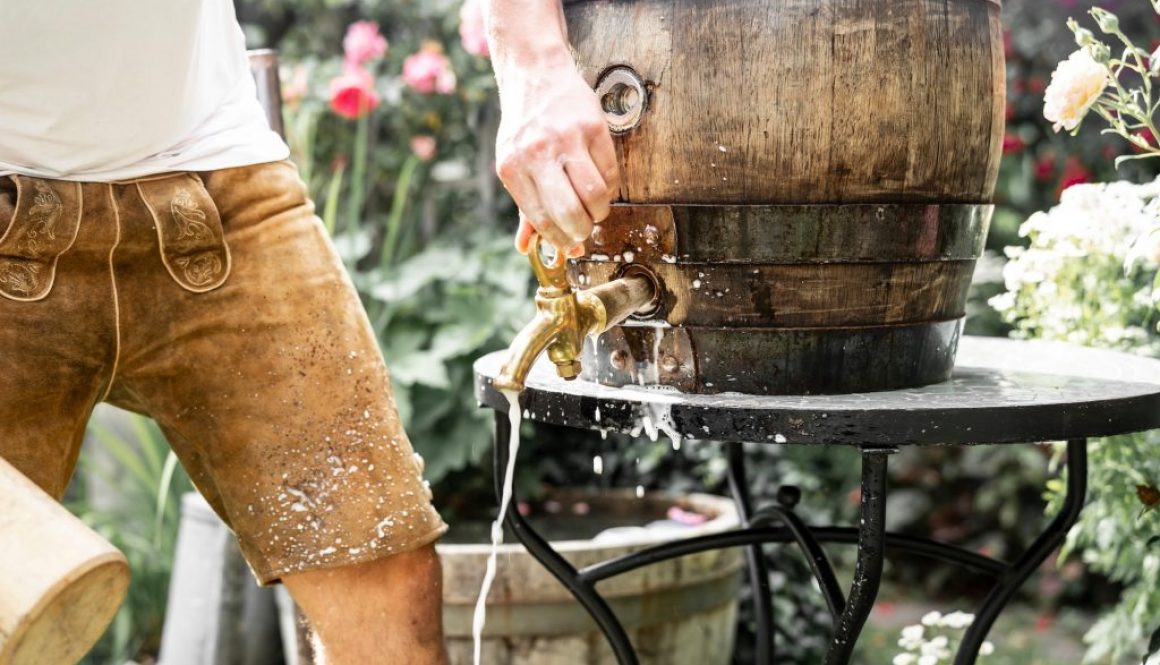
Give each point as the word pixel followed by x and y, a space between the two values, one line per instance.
pixel 1001 391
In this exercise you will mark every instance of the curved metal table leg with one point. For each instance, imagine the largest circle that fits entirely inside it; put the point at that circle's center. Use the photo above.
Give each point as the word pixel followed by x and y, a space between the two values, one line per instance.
pixel 811 547
pixel 754 557
pixel 871 546
pixel 1027 564
pixel 584 592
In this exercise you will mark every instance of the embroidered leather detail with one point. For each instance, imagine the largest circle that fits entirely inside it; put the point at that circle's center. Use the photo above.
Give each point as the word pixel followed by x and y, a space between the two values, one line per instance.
pixel 42 218
pixel 190 219
pixel 44 226
pixel 20 278
pixel 189 231
pixel 201 269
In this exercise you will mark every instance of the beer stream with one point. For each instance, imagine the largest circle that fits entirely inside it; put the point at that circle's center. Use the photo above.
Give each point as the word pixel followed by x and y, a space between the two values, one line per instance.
pixel 513 399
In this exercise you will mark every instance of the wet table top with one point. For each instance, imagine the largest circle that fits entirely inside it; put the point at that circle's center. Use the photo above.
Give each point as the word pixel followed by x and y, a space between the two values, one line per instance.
pixel 1002 391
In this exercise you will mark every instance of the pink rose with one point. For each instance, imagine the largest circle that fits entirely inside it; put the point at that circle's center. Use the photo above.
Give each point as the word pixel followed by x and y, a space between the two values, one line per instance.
pixel 423 146
pixel 429 71
pixel 472 31
pixel 363 42
pixel 352 93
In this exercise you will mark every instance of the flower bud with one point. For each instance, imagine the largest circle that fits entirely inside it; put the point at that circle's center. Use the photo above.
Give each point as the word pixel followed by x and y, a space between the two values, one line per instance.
pixel 1084 37
pixel 1100 52
pixel 1106 20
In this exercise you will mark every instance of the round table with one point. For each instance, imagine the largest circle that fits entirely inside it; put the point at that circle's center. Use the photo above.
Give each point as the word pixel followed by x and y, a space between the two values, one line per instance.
pixel 1002 392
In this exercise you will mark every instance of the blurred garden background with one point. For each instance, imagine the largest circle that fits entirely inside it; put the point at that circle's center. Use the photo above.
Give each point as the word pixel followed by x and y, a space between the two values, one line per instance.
pixel 395 137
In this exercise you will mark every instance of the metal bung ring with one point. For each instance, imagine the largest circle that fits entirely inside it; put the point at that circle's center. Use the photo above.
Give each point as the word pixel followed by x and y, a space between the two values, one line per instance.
pixel 654 306
pixel 623 97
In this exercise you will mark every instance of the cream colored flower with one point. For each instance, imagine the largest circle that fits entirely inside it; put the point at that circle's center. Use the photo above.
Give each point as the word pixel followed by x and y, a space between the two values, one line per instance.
pixel 1075 85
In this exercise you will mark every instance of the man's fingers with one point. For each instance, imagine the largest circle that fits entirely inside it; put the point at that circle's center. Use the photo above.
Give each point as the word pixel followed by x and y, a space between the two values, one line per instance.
pixel 547 229
pixel 524 234
pixel 589 187
pixel 603 152
pixel 563 205
pixel 534 216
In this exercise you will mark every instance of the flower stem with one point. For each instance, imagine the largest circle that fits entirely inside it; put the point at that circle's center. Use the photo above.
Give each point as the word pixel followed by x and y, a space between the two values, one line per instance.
pixel 356 196
pixel 398 206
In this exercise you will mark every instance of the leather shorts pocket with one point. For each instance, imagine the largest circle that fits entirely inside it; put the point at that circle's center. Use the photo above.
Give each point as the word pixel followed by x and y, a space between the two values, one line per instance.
pixel 43 218
pixel 189 230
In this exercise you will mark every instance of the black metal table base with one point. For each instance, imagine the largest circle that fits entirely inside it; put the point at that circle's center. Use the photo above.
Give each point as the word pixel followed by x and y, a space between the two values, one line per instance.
pixel 780 524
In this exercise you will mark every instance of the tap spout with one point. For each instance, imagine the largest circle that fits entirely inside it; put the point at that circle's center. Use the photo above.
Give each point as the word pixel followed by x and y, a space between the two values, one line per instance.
pixel 564 318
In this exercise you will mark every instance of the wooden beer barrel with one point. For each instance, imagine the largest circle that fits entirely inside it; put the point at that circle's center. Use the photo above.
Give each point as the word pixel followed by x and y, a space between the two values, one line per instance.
pixel 807 181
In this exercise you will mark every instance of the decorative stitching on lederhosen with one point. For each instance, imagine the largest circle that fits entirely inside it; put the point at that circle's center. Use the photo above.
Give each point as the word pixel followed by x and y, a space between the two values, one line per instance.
pixel 44 225
pixel 189 230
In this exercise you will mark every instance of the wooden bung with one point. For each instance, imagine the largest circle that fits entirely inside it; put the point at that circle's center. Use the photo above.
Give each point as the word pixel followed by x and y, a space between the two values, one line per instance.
pixel 60 582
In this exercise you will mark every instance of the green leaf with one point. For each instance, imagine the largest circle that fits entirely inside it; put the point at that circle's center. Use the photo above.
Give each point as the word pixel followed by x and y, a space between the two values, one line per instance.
pixel 123 451
pixel 423 269
pixel 420 367
pixel 466 336
pixel 163 487
pixel 402 395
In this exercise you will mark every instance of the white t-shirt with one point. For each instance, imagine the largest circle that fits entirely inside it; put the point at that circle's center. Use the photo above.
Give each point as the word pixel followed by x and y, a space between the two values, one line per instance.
pixel 102 90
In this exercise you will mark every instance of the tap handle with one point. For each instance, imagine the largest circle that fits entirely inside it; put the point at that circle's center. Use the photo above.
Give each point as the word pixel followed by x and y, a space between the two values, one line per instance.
pixel 552 275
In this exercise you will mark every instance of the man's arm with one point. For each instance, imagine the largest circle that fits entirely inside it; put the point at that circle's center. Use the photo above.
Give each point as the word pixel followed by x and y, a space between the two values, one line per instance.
pixel 554 152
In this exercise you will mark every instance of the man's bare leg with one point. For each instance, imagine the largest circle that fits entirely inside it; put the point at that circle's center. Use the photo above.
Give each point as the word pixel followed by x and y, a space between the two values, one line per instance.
pixel 385 611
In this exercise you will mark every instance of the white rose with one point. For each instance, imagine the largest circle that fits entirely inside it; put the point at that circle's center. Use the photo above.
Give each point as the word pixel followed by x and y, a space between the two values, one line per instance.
pixel 1075 85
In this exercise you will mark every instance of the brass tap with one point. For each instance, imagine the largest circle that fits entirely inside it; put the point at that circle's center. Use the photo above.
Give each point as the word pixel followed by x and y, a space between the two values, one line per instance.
pixel 565 317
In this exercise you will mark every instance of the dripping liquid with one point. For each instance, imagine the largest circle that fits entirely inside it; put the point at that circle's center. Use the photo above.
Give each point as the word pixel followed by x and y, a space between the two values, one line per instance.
pixel 480 616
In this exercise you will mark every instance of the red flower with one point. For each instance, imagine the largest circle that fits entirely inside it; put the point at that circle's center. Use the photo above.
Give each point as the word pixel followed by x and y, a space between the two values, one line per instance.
pixel 352 93
pixel 1012 144
pixel 1074 173
pixel 1045 167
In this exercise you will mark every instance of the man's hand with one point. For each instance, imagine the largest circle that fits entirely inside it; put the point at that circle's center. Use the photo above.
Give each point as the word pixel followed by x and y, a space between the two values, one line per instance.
pixel 554 152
